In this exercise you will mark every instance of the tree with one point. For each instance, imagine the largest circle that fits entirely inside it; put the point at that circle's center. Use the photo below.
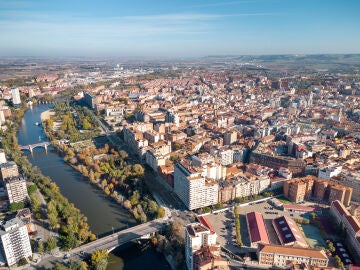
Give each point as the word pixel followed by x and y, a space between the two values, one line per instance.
pixel 154 241
pixel 331 247
pixel 52 214
pixel 138 169
pixel 59 266
pixel 16 206
pixel 218 206
pixel 35 203
pixel 99 259
pixel 160 212
pixel 134 199
pixel 51 244
pixel 40 247
pixel 31 189
pixel 78 265
pixel 86 124
pixel 123 154
pixel 107 191
pixel 22 262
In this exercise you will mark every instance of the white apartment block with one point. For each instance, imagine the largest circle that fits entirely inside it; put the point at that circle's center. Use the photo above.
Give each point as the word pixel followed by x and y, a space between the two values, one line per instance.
pixel 154 160
pixel 329 172
pixel 2 156
pixel 352 180
pixel 192 188
pixel 226 157
pixel 16 189
pixel 214 171
pixel 115 111
pixel 197 236
pixel 15 96
pixel 15 242
pixel 247 187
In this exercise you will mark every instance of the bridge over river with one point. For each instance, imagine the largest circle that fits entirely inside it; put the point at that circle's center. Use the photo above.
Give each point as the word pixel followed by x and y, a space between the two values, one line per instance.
pixel 109 242
pixel 114 240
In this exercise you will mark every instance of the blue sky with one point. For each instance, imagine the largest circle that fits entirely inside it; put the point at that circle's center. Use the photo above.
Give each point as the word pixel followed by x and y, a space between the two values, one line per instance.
pixel 175 28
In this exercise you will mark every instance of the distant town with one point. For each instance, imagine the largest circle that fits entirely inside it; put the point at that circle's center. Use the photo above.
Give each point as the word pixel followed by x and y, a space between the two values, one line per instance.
pixel 223 162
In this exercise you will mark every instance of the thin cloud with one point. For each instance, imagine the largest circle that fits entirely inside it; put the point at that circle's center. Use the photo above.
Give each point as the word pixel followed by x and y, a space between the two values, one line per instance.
pixel 225 3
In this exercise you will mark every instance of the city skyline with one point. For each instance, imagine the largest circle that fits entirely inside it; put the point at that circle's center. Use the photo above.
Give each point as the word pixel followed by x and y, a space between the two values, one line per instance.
pixel 177 28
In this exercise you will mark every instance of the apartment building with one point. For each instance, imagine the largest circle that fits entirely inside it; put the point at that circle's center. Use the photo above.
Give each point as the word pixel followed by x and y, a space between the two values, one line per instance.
pixel 226 156
pixel 193 189
pixel 350 179
pixel 281 256
pixel 230 137
pixel 15 242
pixel 300 189
pixel 16 190
pixel 135 140
pixel 296 166
pixel 8 169
pixel 329 172
pixel 249 185
pixel 292 140
pixel 15 96
pixel 198 235
pixel 115 111
pixel 2 156
pixel 350 224
pixel 209 258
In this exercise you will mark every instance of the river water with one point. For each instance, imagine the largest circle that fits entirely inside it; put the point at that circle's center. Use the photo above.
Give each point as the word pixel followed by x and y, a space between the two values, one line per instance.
pixel 103 215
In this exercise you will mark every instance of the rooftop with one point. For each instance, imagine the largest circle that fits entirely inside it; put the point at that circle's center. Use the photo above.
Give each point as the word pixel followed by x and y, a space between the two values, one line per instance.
pixel 295 251
pixel 257 227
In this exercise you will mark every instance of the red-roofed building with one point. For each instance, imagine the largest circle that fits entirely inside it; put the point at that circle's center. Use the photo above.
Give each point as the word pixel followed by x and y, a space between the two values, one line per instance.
pixel 209 258
pixel 338 210
pixel 204 221
pixel 298 208
pixel 257 229
pixel 351 226
pixel 288 232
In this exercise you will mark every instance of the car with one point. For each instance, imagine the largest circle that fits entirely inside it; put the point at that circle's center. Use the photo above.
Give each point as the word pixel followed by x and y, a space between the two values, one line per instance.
pixel 67 256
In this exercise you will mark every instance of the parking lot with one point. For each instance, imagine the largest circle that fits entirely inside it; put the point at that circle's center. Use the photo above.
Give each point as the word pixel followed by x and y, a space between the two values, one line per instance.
pixel 224 225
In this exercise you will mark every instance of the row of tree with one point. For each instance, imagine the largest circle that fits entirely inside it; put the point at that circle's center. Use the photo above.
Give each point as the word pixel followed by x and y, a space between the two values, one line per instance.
pixel 237 225
pixel 61 214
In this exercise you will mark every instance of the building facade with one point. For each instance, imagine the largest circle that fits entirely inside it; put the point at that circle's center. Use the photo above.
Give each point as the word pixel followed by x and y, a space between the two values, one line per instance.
pixel 281 256
pixel 194 190
pixel 16 189
pixel 15 96
pixel 197 236
pixel 8 169
pixel 15 242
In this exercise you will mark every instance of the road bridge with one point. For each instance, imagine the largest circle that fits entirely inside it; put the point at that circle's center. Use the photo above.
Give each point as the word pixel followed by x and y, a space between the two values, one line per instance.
pixel 116 239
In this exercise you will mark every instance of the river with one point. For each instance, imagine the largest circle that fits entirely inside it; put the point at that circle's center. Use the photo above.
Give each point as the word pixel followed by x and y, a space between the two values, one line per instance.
pixel 103 215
